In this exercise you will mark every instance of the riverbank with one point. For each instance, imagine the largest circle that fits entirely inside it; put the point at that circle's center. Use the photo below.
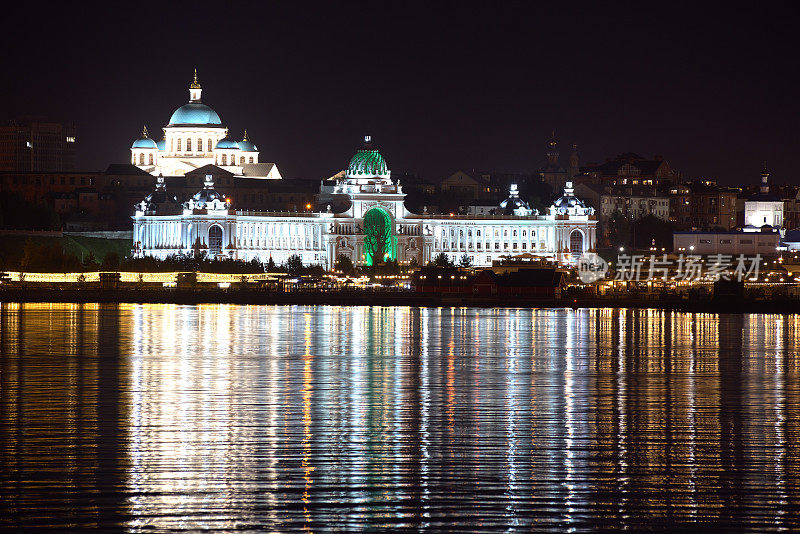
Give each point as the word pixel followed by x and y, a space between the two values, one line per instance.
pixel 382 298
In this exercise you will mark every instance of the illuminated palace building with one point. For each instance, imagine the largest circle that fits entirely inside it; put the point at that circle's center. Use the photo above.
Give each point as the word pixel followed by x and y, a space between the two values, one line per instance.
pixel 374 226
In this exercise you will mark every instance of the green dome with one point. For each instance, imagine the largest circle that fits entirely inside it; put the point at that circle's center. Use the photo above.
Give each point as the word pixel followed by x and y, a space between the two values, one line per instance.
pixel 367 162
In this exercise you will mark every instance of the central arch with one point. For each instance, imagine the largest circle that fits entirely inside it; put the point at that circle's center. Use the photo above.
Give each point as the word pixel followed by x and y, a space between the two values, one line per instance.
pixel 576 243
pixel 379 243
pixel 215 240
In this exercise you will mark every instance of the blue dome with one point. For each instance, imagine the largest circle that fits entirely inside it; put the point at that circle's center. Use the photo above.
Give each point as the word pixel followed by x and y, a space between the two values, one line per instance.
pixel 195 113
pixel 145 142
pixel 227 144
pixel 162 145
pixel 247 146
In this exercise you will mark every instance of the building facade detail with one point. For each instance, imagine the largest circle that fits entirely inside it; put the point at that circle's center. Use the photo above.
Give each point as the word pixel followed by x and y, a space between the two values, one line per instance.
pixel 373 226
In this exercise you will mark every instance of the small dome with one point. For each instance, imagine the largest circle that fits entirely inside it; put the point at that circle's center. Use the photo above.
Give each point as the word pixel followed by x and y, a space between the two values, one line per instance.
pixel 569 204
pixel 513 204
pixel 227 144
pixel 367 162
pixel 195 113
pixel 246 145
pixel 162 145
pixel 206 195
pixel 144 143
pixel 159 198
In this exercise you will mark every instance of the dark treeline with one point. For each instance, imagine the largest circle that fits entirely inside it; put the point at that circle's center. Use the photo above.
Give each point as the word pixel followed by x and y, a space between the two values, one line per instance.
pixel 18 213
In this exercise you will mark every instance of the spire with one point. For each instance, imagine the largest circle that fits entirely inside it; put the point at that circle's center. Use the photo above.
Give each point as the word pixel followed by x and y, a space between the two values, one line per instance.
pixel 552 149
pixel 765 180
pixel 245 135
pixel 144 132
pixel 195 89
pixel 367 142
pixel 195 84
pixel 574 164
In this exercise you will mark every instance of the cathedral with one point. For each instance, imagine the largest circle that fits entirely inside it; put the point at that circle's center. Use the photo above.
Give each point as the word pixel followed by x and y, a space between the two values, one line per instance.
pixel 194 138
pixel 373 225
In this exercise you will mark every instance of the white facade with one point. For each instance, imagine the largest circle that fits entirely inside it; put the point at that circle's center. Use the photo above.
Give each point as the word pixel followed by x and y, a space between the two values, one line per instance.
pixel 207 224
pixel 196 137
pixel 748 243
pixel 635 206
pixel 763 208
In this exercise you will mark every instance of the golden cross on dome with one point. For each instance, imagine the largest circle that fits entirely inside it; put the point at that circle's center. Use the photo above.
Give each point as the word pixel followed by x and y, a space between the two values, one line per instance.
pixel 195 83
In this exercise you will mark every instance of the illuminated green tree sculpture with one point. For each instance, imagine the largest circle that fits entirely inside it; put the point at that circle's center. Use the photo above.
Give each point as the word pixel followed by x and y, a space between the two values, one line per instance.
pixel 378 240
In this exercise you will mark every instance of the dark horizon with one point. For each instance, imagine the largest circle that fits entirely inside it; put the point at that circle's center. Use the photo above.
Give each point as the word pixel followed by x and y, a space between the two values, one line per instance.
pixel 439 88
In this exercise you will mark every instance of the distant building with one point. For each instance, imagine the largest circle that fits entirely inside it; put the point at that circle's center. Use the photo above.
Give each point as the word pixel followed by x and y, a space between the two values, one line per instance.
pixel 631 169
pixel 733 243
pixel 763 208
pixel 552 173
pixel 462 184
pixel 29 145
pixel 703 205
pixel 634 202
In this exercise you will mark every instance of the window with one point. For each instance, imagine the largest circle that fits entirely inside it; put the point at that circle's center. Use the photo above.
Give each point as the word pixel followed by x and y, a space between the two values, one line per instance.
pixel 199 145
pixel 141 159
pixel 224 159
pixel 188 145
pixel 725 241
pixel 210 148
pixel 477 233
pixel 179 145
pixel 705 241
pixel 524 246
pixel 251 159
pixel 151 159
pixel 241 160
pixel 497 246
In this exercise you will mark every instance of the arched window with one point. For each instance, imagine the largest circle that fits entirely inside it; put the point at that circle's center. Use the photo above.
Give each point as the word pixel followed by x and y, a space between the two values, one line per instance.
pixel 199 145
pixel 241 160
pixel 251 159
pixel 151 159
pixel 188 144
pixel 179 145
pixel 576 243
pixel 171 145
pixel 210 148
pixel 215 240
pixel 141 158
pixel 224 159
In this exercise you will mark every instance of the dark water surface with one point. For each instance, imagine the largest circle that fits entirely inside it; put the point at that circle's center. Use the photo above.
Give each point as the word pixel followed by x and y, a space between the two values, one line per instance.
pixel 164 417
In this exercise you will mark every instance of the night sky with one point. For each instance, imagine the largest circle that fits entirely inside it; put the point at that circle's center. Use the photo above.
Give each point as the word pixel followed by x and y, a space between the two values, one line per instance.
pixel 440 88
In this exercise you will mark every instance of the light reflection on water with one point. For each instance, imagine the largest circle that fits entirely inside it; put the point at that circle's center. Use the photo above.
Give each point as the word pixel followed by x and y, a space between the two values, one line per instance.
pixel 140 417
